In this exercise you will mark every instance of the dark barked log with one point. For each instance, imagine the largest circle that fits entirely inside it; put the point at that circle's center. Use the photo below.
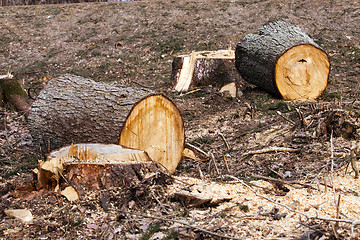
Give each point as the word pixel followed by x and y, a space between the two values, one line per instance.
pixel 74 109
pixel 283 60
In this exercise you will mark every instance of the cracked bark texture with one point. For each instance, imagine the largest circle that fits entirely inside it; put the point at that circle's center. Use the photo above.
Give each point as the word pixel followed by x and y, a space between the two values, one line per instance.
pixel 74 109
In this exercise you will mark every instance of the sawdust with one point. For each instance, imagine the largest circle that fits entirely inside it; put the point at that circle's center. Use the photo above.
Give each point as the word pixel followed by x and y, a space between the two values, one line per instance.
pixel 263 218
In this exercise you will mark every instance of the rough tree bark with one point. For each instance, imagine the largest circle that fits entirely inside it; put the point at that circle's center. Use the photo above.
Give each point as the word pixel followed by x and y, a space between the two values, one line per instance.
pixel 214 68
pixel 73 109
pixel 283 60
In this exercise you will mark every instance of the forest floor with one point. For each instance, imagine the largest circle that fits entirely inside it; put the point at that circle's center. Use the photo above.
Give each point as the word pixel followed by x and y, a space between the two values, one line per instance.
pixel 292 193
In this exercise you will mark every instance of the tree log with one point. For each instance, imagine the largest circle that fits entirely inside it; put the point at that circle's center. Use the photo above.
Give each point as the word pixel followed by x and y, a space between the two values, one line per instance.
pixel 73 109
pixel 283 60
pixel 214 68
pixel 94 166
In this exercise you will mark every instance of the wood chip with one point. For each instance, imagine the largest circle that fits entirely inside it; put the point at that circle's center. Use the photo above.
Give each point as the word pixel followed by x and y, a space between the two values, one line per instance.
pixel 23 215
pixel 70 193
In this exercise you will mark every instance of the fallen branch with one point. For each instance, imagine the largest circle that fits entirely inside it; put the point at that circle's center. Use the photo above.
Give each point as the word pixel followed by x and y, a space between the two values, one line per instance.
pixel 190 226
pixel 267 150
pixel 291 183
pixel 272 149
pixel 353 222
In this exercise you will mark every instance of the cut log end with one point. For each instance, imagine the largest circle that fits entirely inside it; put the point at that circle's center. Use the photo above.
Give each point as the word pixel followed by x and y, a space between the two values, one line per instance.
pixel 156 127
pixel 302 72
pixel 284 61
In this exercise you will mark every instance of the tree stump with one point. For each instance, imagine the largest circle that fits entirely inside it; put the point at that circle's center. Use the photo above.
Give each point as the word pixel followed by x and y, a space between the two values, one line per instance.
pixel 13 94
pixel 73 109
pixel 283 60
pixel 156 127
pixel 205 68
pixel 94 166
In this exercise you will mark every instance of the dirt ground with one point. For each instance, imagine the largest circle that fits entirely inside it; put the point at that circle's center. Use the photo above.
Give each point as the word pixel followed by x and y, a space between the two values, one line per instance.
pixel 291 193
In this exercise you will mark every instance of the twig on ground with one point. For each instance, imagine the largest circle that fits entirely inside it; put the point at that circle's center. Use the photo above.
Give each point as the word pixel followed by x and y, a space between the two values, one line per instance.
pixel 190 92
pixel 338 207
pixel 226 164
pixel 272 149
pixel 197 149
pixel 354 152
pixel 267 150
pixel 158 201
pixel 216 168
pixel 291 183
pixel 318 217
pixel 332 167
pixel 53 213
pixel 287 119
pixel 200 172
pixel 190 226
pixel 301 117
pixel 226 143
pixel 250 109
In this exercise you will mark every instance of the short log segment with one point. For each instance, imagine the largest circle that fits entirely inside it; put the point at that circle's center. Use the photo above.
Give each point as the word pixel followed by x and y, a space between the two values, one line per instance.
pixel 283 60
pixel 156 127
pixel 73 109
pixel 205 68
pixel 94 166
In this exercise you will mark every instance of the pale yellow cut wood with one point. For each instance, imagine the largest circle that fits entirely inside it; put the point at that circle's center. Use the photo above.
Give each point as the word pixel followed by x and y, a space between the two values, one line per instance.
pixel 156 127
pixel 231 88
pixel 186 73
pixel 189 62
pixel 70 193
pixel 51 170
pixel 223 54
pixel 302 72
pixel 23 215
pixel 98 153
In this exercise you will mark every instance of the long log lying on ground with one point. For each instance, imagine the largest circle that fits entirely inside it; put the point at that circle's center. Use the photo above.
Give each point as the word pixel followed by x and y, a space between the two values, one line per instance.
pixel 73 109
pixel 94 166
pixel 205 68
pixel 283 60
